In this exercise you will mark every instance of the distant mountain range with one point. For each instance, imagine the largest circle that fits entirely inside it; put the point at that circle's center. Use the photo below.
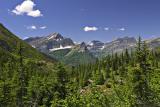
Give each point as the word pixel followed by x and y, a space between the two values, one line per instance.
pixel 50 43
pixel 66 50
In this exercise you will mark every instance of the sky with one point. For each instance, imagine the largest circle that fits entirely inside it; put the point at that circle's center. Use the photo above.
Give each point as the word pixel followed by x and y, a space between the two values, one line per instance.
pixel 82 20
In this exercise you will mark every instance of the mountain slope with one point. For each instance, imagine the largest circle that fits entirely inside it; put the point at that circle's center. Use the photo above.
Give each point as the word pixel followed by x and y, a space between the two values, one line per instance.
pixel 95 47
pixel 79 55
pixel 59 54
pixel 54 41
pixel 119 45
pixel 153 43
pixel 9 43
pixel 62 49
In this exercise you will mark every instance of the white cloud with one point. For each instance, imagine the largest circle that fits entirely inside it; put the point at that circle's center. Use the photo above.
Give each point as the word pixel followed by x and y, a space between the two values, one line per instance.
pixel 27 7
pixel 122 29
pixel 35 13
pixel 43 27
pixel 33 27
pixel 87 28
pixel 106 28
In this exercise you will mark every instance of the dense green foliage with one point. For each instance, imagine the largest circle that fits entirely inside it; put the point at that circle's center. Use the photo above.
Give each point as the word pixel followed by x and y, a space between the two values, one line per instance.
pixel 9 43
pixel 59 54
pixel 29 79
pixel 73 57
pixel 119 80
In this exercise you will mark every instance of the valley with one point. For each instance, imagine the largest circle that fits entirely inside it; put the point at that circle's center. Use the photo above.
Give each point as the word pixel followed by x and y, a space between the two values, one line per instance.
pixel 62 48
pixel 53 71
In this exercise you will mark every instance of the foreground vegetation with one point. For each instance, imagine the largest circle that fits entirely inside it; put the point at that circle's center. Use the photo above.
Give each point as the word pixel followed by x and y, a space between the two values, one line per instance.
pixel 130 79
pixel 31 79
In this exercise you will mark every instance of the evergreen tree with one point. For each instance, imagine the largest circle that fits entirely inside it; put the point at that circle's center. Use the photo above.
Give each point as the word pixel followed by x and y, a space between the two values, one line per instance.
pixel 22 80
pixel 127 57
pixel 62 79
pixel 141 73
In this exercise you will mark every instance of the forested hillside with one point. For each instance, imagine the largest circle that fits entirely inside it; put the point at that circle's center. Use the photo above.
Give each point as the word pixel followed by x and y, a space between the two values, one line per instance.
pixel 30 79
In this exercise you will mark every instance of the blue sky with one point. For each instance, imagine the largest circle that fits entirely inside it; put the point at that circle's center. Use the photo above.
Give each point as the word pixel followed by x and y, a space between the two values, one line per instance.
pixel 82 20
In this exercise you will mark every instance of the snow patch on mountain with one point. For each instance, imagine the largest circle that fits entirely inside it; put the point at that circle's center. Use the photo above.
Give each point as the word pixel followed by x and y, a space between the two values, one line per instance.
pixel 60 48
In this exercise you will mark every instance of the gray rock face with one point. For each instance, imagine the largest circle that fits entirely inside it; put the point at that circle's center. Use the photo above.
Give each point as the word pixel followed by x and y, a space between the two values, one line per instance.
pixel 83 47
pixel 50 42
pixel 153 43
pixel 120 44
pixel 56 41
pixel 95 45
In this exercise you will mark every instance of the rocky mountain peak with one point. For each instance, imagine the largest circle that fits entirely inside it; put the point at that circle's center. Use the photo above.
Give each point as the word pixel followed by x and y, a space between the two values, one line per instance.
pixel 120 44
pixel 126 39
pixel 83 44
pixel 56 41
pixel 82 47
pixel 95 43
pixel 55 36
pixel 95 46
pixel 52 42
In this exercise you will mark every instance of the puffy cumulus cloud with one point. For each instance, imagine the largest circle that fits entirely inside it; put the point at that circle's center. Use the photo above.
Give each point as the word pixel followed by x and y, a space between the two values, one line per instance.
pixel 90 28
pixel 43 27
pixel 27 7
pixel 122 29
pixel 35 13
pixel 33 27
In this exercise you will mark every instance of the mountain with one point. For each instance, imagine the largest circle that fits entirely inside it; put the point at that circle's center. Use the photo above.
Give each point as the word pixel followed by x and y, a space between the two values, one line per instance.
pixel 153 43
pixel 95 45
pixel 65 50
pixel 80 55
pixel 52 42
pixel 119 45
pixel 10 44
pixel 56 42
pixel 59 54
pixel 62 49
pixel 29 79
